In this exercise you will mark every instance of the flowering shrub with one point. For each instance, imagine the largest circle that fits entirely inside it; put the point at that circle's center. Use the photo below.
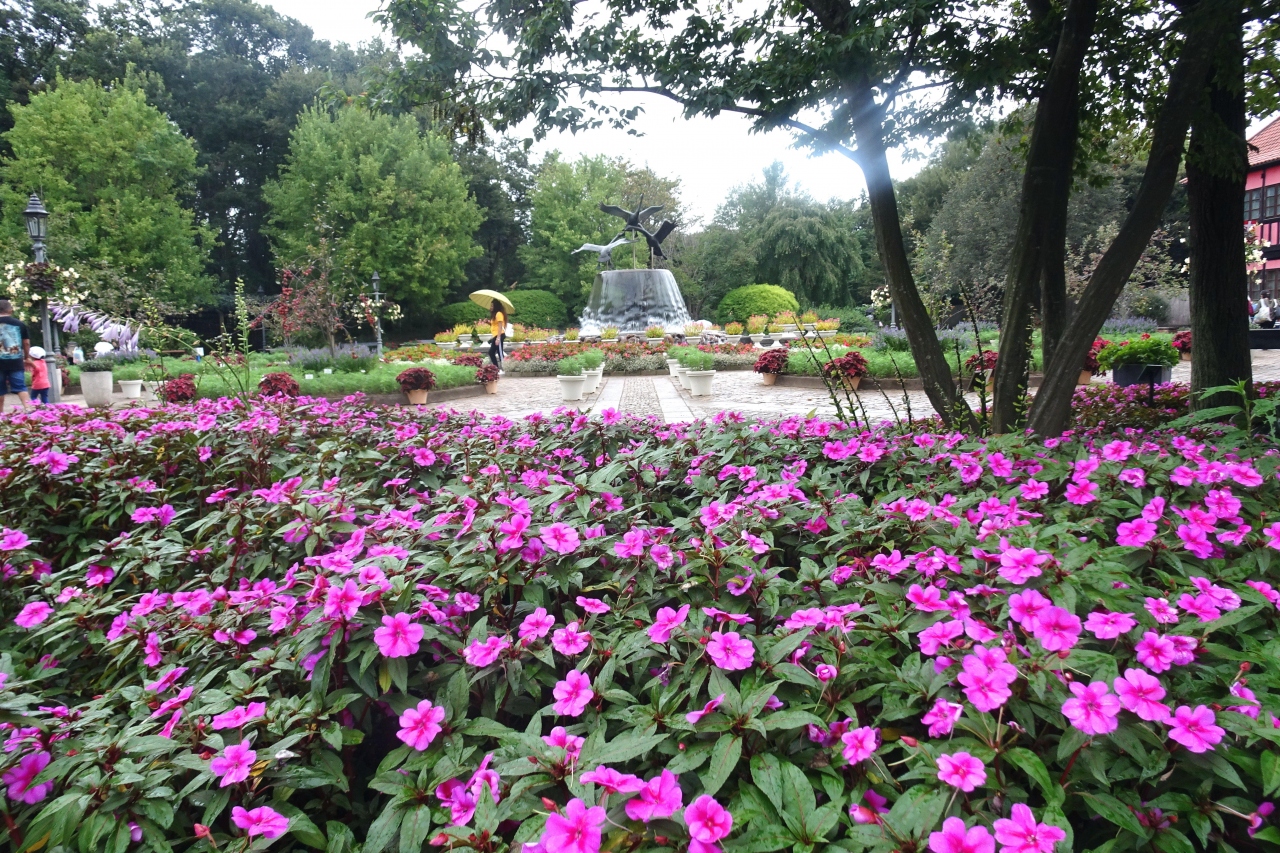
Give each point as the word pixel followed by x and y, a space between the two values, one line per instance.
pixel 982 362
pixel 278 383
pixel 1145 350
pixel 416 379
pixel 852 364
pixel 1091 360
pixel 486 373
pixel 772 360
pixel 1182 341
pixel 466 359
pixel 181 389
pixel 219 629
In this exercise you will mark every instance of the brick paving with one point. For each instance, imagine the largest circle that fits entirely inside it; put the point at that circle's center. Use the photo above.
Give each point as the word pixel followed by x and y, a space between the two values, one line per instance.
pixel 737 391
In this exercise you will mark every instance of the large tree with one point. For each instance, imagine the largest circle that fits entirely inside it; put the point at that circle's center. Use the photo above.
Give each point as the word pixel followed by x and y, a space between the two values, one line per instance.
pixel 389 198
pixel 115 173
pixel 36 36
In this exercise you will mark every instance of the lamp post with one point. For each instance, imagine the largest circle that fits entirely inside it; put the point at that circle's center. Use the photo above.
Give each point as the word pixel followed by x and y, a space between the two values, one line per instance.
pixel 38 230
pixel 377 313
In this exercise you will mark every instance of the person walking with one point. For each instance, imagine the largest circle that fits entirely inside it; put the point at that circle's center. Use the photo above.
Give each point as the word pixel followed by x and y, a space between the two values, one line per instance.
pixel 1266 316
pixel 498 328
pixel 39 383
pixel 15 354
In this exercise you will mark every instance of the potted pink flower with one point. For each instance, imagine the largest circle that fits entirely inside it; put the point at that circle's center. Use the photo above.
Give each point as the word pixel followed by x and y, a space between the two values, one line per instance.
pixel 415 383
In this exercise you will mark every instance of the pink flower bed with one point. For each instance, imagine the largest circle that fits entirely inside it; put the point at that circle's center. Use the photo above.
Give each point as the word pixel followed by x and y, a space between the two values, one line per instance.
pixel 345 625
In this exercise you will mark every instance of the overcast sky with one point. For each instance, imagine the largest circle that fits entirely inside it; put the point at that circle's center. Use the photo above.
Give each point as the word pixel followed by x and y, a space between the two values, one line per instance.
pixel 709 156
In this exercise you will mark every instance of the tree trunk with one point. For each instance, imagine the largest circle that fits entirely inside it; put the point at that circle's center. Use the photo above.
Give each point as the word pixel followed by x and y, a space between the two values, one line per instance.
pixel 1040 241
pixel 1217 163
pixel 1051 408
pixel 939 384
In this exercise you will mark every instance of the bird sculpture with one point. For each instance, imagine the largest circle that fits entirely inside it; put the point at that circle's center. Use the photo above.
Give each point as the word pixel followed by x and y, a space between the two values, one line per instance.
pixel 604 253
pixel 634 222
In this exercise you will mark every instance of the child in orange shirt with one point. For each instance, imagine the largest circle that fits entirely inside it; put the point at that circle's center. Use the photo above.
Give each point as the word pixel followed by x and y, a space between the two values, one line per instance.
pixel 39 383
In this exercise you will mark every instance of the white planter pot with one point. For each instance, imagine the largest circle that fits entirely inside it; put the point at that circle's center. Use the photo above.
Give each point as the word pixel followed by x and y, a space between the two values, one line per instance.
pixel 96 386
pixel 571 388
pixel 756 337
pixel 484 339
pixel 682 374
pixel 788 327
pixel 131 388
pixel 592 378
pixel 447 344
pixel 827 333
pixel 693 340
pixel 672 364
pixel 700 382
pixel 465 340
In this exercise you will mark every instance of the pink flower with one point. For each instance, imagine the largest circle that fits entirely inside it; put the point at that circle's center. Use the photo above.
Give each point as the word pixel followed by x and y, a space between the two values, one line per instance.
pixel 576 831
pixel 239 715
pixel 941 717
pixel 343 602
pixel 1033 490
pixel 461 801
pixel 1107 626
pixel 12 540
pixel 1194 728
pixel 573 694
pixel 826 672
pixel 730 652
pixel 263 821
pixel 954 838
pixel 708 820
pixel 98 575
pixel 961 770
pixel 1022 834
pixel 399 636
pixel 694 716
pixel 19 778
pixel 1141 692
pixel 483 653
pixel 33 614
pixel 1025 607
pixel 419 726
pixel 1019 565
pixel 233 764
pixel 1155 652
pixel 1079 494
pixel 536 625
pixel 1161 610
pixel 592 605
pixel 1057 629
pixel 660 797
pixel 559 537
pixel 870 813
pixel 860 743
pixel 1094 709
pixel 569 640
pixel 571 744
pixel 612 781
pixel 667 621
pixel 1136 533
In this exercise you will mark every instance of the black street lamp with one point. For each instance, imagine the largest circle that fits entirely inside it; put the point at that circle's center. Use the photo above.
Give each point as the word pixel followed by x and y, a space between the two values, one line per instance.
pixel 377 313
pixel 38 231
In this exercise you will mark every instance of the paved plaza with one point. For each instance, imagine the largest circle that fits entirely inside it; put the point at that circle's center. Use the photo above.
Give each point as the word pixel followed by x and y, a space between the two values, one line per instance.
pixel 741 391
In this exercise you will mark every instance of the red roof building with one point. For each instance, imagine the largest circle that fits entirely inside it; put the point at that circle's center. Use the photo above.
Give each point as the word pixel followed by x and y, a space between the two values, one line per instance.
pixel 1262 208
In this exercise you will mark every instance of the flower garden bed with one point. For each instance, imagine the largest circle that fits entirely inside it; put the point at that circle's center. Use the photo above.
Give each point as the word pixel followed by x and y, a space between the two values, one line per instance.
pixel 327 625
pixel 631 358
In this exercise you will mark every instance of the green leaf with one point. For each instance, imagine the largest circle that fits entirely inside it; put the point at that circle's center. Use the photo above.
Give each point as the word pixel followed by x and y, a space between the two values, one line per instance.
pixel 301 827
pixel 385 826
pixel 724 758
pixel 1031 764
pixel 766 772
pixel 1108 807
pixel 415 827
pixel 761 837
pixel 340 838
pixel 1173 841
pixel 798 801
pixel 622 748
pixel 790 719
pixel 1270 772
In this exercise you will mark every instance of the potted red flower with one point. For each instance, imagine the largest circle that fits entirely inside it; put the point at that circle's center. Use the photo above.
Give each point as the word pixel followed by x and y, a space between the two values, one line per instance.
pixel 416 382
pixel 1091 368
pixel 983 366
pixel 848 369
pixel 771 363
pixel 1182 343
pixel 278 384
pixel 487 375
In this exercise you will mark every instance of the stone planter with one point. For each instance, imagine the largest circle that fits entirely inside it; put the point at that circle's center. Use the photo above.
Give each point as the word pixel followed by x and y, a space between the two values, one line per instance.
pixel 491 387
pixel 826 333
pixel 1140 374
pixel 571 388
pixel 672 364
pixel 788 327
pixel 447 344
pixel 96 386
pixel 700 382
pixel 417 398
pixel 769 378
pixel 131 388
pixel 693 340
pixel 682 373
pixel 485 338
pixel 1086 378
pixel 464 340
pixel 756 337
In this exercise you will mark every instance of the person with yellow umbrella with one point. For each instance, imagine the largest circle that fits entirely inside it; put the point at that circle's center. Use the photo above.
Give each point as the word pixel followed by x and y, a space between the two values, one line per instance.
pixel 500 308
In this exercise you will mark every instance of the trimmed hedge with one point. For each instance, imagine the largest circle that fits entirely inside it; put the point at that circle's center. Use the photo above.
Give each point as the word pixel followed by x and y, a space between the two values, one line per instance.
pixel 460 312
pixel 539 308
pixel 741 302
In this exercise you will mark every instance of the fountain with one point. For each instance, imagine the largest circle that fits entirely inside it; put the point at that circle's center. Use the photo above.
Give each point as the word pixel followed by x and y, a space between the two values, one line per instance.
pixel 633 300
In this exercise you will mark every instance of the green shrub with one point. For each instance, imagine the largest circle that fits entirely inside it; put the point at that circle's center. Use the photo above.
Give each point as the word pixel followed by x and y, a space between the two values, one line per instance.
pixel 740 303
pixel 1142 351
pixel 699 360
pixel 852 319
pixel 1150 306
pixel 591 359
pixel 460 312
pixel 540 308
pixel 571 366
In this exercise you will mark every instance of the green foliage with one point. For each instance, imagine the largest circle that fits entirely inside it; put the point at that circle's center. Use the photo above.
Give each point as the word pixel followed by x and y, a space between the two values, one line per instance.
pixel 460 312
pixel 852 319
pixel 1142 351
pixel 113 172
pixel 571 366
pixel 698 360
pixel 389 198
pixel 742 302
pixel 1149 305
pixel 591 358
pixel 540 308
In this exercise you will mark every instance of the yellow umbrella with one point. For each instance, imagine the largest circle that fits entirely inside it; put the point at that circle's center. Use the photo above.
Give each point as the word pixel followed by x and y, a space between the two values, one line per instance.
pixel 484 298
